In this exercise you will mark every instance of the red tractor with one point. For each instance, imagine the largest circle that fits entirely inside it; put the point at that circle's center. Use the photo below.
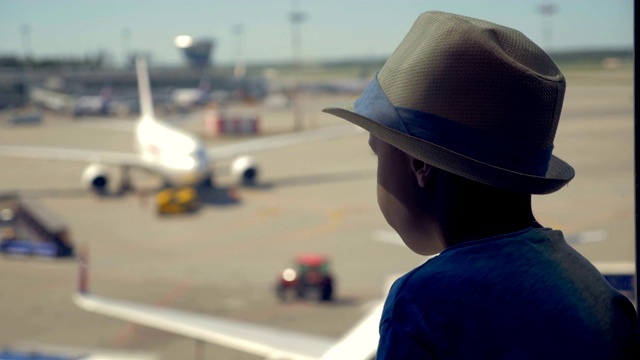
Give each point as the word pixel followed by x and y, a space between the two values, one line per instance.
pixel 309 278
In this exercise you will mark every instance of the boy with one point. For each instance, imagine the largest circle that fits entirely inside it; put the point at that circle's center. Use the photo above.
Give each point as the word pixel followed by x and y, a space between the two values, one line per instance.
pixel 462 118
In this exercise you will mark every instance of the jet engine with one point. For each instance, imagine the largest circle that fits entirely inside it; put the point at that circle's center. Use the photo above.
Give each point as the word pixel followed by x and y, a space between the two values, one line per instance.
pixel 244 170
pixel 95 177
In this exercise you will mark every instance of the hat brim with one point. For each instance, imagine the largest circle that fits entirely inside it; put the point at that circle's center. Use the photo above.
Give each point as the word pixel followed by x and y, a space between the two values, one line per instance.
pixel 558 174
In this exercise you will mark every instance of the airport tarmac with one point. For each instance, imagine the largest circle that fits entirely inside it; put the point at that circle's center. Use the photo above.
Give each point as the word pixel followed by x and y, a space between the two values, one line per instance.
pixel 224 260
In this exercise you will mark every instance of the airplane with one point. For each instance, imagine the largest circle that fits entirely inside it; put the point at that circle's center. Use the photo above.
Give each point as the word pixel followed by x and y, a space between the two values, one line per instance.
pixel 185 98
pixel 179 157
pixel 93 104
pixel 76 104
pixel 358 343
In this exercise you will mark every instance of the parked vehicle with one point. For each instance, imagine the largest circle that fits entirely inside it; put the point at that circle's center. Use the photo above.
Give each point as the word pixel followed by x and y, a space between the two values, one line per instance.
pixel 28 228
pixel 309 278
pixel 177 201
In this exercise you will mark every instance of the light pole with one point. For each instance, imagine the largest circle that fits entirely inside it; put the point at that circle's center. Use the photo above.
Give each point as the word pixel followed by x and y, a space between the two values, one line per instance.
pixel 125 35
pixel 547 10
pixel 25 31
pixel 296 17
pixel 239 70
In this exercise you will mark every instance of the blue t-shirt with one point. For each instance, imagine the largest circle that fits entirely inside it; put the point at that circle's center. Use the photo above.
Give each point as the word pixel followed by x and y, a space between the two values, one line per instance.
pixel 525 295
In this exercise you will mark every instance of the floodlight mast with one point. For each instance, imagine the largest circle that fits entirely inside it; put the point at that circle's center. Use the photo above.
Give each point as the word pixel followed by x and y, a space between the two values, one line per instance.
pixel 296 17
pixel 547 10
pixel 239 70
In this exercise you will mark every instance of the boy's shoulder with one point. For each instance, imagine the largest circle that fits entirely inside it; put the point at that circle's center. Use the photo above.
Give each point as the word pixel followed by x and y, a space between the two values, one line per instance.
pixel 531 254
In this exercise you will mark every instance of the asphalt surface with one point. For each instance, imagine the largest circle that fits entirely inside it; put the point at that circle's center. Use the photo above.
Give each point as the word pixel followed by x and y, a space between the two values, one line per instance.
pixel 317 197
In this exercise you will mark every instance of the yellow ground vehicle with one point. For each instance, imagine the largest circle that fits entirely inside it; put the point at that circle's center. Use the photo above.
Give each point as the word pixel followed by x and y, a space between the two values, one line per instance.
pixel 177 201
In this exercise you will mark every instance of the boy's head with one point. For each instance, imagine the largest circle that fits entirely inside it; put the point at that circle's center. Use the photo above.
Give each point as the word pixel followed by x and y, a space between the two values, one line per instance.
pixel 470 97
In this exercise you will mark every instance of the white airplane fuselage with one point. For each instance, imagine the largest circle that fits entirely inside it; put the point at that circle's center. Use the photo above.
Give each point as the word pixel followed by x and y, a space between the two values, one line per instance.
pixel 179 157
pixel 186 97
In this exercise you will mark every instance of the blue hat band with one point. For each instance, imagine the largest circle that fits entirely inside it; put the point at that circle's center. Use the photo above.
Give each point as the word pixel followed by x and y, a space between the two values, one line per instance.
pixel 473 143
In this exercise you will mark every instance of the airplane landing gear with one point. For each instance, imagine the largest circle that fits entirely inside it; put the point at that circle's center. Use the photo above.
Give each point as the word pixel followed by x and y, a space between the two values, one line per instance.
pixel 125 181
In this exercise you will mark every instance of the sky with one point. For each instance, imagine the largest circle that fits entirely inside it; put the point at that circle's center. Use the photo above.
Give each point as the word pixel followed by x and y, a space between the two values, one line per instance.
pixel 330 29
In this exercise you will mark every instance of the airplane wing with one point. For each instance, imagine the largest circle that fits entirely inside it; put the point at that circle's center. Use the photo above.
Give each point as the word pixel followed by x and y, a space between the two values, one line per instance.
pixel 359 343
pixel 277 141
pixel 217 153
pixel 67 154
pixel 250 338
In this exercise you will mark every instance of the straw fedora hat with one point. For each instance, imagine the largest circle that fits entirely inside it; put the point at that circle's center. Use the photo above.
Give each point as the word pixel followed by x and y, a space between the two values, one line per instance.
pixel 471 97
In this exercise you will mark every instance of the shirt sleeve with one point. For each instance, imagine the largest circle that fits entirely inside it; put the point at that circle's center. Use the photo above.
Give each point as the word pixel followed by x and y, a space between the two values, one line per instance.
pixel 396 343
pixel 402 332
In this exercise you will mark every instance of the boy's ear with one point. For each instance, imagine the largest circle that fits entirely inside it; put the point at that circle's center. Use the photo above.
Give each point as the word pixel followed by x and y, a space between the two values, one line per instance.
pixel 421 170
